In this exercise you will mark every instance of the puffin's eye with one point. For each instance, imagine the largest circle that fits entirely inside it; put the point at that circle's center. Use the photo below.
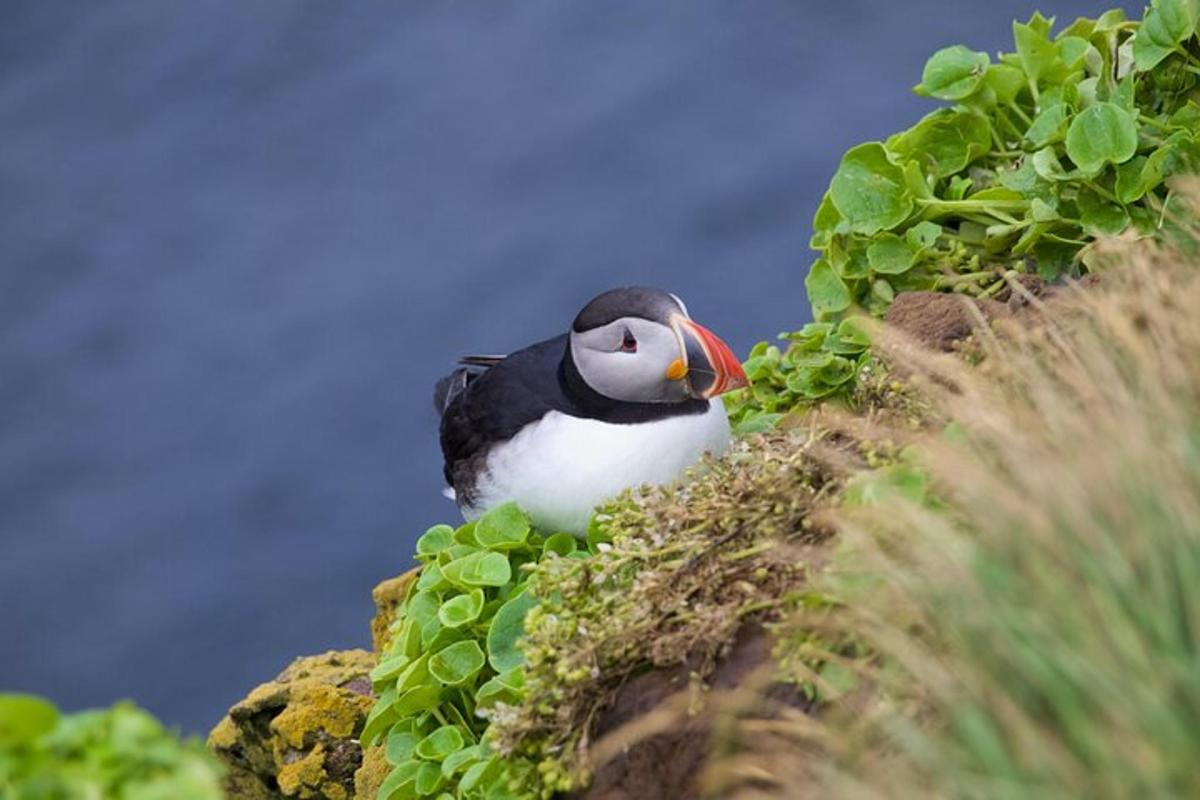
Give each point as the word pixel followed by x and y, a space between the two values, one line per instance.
pixel 628 344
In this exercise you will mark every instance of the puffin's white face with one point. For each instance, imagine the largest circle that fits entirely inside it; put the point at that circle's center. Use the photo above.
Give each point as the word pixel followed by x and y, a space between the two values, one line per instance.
pixel 638 360
pixel 628 360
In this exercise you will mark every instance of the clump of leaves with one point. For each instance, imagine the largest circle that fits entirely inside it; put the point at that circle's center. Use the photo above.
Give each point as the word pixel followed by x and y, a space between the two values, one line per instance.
pixel 453 659
pixel 1073 136
pixel 121 752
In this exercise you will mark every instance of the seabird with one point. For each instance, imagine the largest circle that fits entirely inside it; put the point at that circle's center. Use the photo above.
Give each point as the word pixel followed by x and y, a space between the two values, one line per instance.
pixel 628 396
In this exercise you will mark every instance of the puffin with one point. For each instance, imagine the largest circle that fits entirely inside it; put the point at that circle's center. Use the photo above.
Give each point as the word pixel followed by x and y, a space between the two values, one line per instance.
pixel 629 395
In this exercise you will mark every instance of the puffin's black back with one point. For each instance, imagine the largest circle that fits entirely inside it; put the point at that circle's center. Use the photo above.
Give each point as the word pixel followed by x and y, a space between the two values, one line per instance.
pixel 484 408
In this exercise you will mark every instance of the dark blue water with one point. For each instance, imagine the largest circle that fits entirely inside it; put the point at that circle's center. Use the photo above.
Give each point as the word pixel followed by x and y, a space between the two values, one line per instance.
pixel 240 240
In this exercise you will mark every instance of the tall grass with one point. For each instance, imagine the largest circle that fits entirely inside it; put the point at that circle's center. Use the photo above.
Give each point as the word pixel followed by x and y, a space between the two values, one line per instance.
pixel 1035 633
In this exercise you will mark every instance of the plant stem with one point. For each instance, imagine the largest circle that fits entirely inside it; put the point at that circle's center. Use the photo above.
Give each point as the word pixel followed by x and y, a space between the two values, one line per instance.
pixel 986 206
pixel 969 277
pixel 1105 193
pixel 1021 114
pixel 1152 121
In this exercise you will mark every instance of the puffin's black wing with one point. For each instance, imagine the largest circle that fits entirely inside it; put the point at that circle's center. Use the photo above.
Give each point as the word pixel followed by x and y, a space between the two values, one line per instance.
pixel 483 409
pixel 451 386
pixel 481 361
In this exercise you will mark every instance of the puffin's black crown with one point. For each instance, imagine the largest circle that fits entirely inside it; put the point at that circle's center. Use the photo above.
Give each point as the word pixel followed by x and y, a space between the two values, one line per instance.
pixel 628 301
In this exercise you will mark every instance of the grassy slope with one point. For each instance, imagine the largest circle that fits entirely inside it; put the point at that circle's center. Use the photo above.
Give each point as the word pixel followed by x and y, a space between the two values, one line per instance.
pixel 1036 631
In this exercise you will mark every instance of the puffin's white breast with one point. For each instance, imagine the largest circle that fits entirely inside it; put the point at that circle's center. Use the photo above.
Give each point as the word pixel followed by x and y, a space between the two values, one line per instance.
pixel 560 468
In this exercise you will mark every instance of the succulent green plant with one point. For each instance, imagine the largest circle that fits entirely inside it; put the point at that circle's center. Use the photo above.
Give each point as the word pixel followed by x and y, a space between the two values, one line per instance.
pixel 1071 137
pixel 121 752
pixel 453 659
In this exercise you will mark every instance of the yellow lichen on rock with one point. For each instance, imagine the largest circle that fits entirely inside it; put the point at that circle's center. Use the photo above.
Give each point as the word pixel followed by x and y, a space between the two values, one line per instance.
pixel 371 774
pixel 295 736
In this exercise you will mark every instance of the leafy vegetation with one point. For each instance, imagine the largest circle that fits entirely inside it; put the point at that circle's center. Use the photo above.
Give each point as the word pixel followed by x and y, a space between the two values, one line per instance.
pixel 453 659
pixel 1071 137
pixel 121 753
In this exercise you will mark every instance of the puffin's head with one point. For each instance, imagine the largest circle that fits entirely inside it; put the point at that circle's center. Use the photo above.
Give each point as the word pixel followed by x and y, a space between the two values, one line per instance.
pixel 639 345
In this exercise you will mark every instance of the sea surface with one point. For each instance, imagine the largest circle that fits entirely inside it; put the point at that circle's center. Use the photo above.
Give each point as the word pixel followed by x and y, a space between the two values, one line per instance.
pixel 239 241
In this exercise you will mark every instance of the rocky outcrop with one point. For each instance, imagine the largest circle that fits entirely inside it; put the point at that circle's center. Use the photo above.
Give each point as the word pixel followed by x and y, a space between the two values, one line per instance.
pixel 296 736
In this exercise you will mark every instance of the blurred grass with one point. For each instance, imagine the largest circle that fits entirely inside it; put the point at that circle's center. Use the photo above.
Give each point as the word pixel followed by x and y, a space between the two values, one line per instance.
pixel 1033 631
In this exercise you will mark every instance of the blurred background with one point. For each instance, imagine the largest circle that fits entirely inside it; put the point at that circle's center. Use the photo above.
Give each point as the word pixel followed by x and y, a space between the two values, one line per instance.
pixel 241 240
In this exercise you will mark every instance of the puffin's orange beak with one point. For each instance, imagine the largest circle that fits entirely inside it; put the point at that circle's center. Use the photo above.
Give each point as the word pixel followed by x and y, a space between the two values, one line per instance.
pixel 709 365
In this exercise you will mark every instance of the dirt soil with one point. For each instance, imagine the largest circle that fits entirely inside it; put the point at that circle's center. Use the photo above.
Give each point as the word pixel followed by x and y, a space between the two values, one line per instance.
pixel 667 764
pixel 939 320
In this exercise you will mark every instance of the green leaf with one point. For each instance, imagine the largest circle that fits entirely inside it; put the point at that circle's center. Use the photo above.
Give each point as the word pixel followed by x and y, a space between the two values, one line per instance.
pixel 380 718
pixel 561 543
pixel 851 331
pixel 479 774
pixel 461 609
pixel 1041 211
pixel 480 568
pixel 25 717
pixel 1048 127
pixel 389 668
pixel 923 235
pixel 497 691
pixel 827 294
pixel 441 743
pixel 890 255
pixel 827 218
pixel 400 782
pixel 401 742
pixel 1100 217
pixel 953 73
pixel 422 698
pixel 457 761
pixel 1166 25
pixel 457 663
pixel 1141 174
pixel 435 540
pixel 883 291
pixel 1047 166
pixel 466 535
pixel 1075 52
pixel 431 578
pixel 507 627
pixel 1005 81
pixel 848 257
pixel 1023 179
pixel 421 608
pixel 944 142
pixel 756 422
pixel 1102 134
pixel 597 535
pixel 870 191
pixel 504 527
pixel 428 779
pixel 1035 51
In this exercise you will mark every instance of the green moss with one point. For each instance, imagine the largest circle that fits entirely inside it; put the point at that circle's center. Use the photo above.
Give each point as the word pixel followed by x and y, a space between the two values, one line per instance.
pixel 676 572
